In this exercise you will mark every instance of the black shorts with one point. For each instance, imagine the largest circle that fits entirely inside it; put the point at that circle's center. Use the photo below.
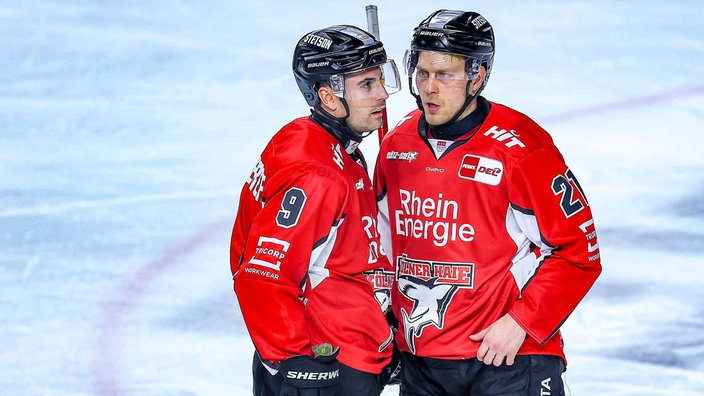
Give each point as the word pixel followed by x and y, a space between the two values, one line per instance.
pixel 529 375
pixel 352 382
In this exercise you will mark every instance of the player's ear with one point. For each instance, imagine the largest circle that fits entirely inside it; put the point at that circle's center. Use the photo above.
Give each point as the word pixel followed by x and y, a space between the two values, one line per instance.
pixel 328 98
pixel 478 80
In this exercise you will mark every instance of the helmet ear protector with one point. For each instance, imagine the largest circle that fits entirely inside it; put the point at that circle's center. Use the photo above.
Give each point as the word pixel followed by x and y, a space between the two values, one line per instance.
pixel 327 55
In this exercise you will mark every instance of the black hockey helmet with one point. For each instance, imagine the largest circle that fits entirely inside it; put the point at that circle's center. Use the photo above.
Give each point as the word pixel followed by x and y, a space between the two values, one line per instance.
pixel 462 33
pixel 326 55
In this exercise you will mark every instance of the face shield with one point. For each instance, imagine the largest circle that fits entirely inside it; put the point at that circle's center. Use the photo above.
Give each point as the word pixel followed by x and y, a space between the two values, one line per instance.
pixel 443 68
pixel 367 83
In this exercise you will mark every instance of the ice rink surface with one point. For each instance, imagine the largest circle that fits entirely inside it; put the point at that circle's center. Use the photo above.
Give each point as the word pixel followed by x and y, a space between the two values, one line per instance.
pixel 127 129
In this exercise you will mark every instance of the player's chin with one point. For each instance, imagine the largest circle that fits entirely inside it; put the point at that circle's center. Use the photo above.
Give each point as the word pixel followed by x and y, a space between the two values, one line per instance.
pixel 377 122
pixel 436 119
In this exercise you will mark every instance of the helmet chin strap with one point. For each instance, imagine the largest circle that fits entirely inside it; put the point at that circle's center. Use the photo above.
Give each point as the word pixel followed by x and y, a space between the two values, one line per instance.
pixel 337 126
pixel 459 112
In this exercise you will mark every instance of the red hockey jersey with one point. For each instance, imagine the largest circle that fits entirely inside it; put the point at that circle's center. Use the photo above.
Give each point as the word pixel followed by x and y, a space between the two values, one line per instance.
pixel 489 224
pixel 305 252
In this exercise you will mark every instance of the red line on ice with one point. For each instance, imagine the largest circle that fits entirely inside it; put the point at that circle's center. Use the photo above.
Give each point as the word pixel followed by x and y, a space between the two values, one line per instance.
pixel 106 359
pixel 627 104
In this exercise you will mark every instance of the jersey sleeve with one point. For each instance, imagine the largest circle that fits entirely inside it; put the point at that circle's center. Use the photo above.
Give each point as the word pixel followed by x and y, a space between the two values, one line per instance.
pixel 552 211
pixel 301 205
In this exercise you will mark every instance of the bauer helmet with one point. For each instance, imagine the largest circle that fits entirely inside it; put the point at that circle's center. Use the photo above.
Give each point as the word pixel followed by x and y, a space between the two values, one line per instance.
pixel 466 34
pixel 327 55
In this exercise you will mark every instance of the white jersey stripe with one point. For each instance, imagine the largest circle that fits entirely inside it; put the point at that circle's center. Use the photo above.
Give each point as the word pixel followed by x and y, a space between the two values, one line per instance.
pixel 319 257
pixel 522 226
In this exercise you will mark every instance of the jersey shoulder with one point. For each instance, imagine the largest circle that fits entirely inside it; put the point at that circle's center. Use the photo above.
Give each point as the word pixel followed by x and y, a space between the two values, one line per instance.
pixel 301 143
pixel 305 155
pixel 514 129
pixel 406 127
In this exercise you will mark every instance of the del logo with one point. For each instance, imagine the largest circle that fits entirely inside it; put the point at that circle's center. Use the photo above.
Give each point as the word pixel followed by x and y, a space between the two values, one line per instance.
pixel 481 169
pixel 430 285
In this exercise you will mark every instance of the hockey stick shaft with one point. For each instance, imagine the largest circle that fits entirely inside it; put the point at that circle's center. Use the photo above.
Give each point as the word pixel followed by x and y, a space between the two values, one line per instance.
pixel 373 27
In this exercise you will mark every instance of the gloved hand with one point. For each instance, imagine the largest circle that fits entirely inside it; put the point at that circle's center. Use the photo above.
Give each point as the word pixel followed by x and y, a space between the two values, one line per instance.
pixel 391 373
pixel 306 376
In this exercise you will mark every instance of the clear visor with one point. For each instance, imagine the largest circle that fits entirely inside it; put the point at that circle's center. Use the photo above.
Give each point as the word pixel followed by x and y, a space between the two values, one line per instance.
pixel 442 68
pixel 370 83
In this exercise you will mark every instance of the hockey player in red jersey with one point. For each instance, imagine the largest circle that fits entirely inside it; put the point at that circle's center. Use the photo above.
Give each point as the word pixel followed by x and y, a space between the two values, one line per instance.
pixel 490 232
pixel 310 281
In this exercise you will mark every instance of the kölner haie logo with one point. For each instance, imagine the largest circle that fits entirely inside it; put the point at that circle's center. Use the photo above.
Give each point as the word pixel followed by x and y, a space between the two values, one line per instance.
pixel 481 169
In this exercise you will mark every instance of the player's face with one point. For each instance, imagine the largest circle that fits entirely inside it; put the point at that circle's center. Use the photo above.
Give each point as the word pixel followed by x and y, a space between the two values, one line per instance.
pixel 366 98
pixel 441 81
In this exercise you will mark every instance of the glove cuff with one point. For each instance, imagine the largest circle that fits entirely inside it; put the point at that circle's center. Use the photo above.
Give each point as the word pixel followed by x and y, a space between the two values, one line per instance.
pixel 304 372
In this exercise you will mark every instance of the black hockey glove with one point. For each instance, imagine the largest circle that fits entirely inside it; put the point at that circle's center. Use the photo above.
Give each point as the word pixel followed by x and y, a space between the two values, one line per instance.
pixel 305 376
pixel 391 373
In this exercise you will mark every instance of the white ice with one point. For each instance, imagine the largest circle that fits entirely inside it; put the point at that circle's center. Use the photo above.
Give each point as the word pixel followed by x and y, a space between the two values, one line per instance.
pixel 127 129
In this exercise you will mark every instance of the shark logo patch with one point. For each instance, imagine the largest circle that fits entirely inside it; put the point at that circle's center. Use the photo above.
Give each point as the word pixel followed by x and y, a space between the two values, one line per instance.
pixel 431 286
